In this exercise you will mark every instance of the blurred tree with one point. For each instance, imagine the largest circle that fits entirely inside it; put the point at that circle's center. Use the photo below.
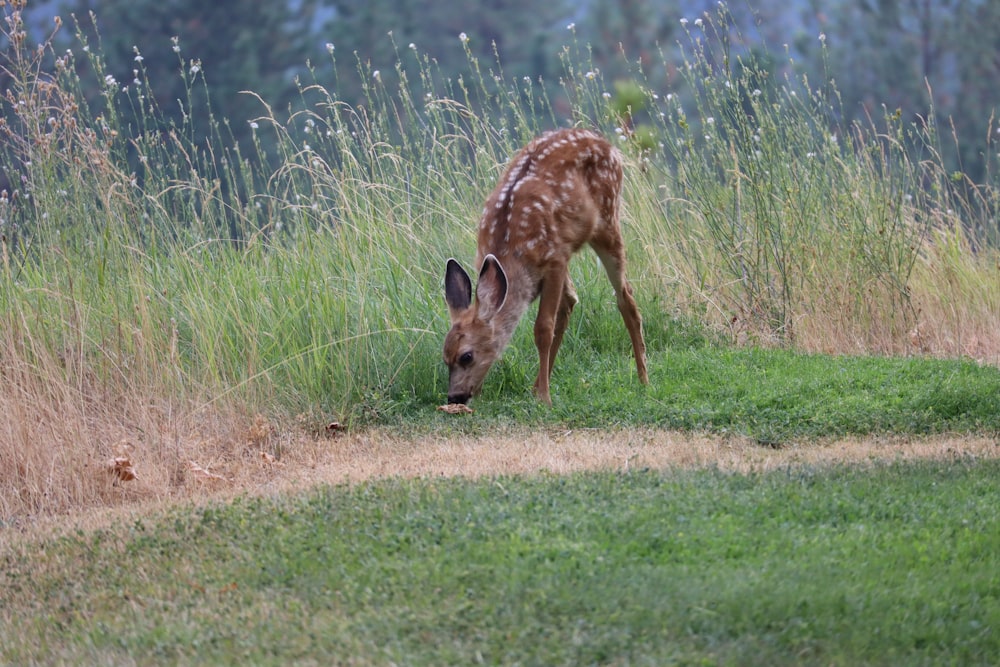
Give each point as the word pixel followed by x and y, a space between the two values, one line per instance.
pixel 236 47
pixel 880 53
pixel 978 73
pixel 526 35
pixel 912 55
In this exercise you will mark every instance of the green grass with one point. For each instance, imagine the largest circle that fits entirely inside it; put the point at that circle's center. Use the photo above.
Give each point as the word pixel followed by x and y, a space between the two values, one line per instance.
pixel 887 565
pixel 152 284
pixel 775 396
pixel 303 273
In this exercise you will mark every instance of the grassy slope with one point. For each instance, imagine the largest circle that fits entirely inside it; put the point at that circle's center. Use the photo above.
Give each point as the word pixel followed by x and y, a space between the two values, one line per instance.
pixel 895 564
pixel 128 315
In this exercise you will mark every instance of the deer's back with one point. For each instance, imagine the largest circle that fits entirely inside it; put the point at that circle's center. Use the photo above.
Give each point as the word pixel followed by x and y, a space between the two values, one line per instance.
pixel 559 192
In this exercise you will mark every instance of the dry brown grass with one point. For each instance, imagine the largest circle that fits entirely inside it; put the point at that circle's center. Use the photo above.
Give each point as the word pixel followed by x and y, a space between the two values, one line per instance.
pixel 243 463
pixel 60 429
pixel 954 311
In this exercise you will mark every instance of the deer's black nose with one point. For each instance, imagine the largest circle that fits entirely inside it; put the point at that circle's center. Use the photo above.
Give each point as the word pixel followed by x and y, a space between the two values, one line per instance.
pixel 458 398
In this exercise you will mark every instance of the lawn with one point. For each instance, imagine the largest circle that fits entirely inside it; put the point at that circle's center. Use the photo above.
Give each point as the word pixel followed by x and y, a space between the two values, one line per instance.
pixel 880 564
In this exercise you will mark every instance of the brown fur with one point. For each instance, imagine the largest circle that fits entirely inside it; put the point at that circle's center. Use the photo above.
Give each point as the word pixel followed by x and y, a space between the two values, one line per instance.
pixel 561 191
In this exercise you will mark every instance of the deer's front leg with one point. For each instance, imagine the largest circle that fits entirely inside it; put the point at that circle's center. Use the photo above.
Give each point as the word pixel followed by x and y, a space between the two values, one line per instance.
pixel 545 323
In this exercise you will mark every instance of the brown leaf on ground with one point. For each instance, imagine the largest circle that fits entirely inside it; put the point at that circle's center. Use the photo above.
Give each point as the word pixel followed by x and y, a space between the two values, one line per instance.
pixel 269 459
pixel 261 430
pixel 121 468
pixel 202 473
pixel 456 409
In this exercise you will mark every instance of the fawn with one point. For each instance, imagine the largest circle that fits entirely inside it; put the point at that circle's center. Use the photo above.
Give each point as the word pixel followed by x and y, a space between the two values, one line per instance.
pixel 560 191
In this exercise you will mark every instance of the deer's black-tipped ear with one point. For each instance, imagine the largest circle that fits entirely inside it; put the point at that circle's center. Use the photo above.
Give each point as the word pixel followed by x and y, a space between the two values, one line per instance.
pixel 491 290
pixel 457 288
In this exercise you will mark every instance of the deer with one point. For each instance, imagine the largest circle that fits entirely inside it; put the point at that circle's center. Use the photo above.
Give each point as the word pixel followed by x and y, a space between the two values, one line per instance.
pixel 559 192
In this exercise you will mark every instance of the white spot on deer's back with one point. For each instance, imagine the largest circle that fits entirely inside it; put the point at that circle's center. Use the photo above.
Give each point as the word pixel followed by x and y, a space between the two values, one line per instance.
pixel 517 186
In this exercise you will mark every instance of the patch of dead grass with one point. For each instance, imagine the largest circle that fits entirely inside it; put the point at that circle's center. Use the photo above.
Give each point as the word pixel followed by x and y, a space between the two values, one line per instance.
pixel 307 460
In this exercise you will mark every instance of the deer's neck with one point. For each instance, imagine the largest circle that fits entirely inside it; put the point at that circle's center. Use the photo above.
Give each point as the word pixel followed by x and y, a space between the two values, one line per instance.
pixel 522 288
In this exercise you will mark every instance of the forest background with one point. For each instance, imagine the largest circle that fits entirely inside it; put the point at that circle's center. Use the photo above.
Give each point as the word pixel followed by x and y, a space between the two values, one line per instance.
pixel 911 57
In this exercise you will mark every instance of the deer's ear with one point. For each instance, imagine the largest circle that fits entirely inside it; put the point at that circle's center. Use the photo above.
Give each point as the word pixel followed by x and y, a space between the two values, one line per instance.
pixel 457 288
pixel 491 290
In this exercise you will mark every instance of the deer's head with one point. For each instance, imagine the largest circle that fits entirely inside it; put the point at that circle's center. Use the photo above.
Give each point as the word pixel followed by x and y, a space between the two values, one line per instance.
pixel 473 344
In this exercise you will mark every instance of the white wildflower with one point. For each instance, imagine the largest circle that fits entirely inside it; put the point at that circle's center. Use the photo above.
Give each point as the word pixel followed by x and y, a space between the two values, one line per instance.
pixel 462 37
pixel 329 47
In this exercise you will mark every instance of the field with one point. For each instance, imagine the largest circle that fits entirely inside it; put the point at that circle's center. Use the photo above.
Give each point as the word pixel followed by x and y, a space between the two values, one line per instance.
pixel 254 333
pixel 883 563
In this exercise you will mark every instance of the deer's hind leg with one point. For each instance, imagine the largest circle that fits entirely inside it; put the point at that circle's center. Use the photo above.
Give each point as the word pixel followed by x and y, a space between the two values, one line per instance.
pixel 612 254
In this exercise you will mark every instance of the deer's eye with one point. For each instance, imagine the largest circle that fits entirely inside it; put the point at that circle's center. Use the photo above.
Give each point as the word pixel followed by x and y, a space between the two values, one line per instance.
pixel 465 360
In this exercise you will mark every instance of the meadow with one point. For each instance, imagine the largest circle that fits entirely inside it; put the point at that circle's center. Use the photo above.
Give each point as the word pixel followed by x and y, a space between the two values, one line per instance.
pixel 895 564
pixel 169 296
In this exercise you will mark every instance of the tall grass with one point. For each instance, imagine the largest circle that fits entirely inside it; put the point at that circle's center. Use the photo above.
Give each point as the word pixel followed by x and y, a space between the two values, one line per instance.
pixel 162 284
